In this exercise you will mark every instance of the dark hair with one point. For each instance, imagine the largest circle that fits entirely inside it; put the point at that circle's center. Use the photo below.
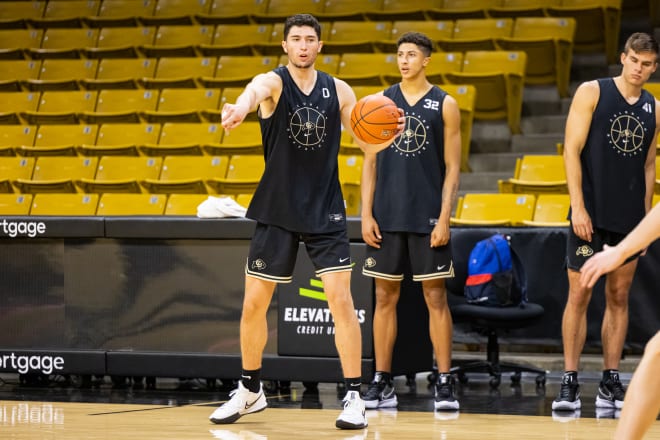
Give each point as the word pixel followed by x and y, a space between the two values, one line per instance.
pixel 641 42
pixel 302 20
pixel 422 41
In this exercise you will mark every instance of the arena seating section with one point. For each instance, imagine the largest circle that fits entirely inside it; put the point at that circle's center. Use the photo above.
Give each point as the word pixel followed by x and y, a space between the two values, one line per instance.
pixel 112 107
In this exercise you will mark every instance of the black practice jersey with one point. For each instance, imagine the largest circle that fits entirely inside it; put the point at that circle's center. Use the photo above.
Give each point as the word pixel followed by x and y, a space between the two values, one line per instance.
pixel 613 180
pixel 411 171
pixel 300 190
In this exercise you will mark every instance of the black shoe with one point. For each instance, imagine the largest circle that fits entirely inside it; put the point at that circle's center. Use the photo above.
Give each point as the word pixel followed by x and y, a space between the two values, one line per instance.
pixel 380 394
pixel 610 393
pixel 568 398
pixel 444 394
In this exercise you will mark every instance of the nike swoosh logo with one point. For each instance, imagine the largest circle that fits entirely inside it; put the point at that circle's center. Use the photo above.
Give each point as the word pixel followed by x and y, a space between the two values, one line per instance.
pixel 342 260
pixel 249 405
pixel 441 267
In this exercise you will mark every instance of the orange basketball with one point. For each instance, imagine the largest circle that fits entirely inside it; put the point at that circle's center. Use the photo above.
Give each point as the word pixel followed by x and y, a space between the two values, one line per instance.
pixel 374 119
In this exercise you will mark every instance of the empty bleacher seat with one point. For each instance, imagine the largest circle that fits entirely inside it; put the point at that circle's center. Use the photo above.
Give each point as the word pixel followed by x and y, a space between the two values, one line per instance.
pixel 494 209
pixel 356 36
pixel 499 78
pixel 537 173
pixel 278 10
pixel 13 136
pixel 64 204
pixel 61 107
pixel 551 210
pixel 176 12
pixel 183 204
pixel 65 14
pixel 121 139
pixel 367 68
pixel 120 13
pixel 458 9
pixel 17 14
pixel 236 39
pixel 185 105
pixel 184 138
pixel 466 97
pixel 120 73
pixel 64 42
pixel 59 140
pixel 15 204
pixel 237 71
pixel 121 105
pixel 13 103
pixel 121 42
pixel 15 43
pixel 243 175
pixel 121 174
pixel 62 74
pixel 180 72
pixel 14 73
pixel 57 174
pixel 231 11
pixel 476 34
pixel 178 41
pixel 350 175
pixel 120 204
pixel 244 139
pixel 12 168
pixel 187 174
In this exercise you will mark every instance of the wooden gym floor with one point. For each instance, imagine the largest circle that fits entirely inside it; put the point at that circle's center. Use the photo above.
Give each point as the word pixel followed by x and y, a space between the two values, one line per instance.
pixel 180 409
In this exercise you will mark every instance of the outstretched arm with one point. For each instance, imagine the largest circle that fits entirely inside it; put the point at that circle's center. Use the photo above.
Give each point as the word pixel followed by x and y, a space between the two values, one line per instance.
pixel 264 90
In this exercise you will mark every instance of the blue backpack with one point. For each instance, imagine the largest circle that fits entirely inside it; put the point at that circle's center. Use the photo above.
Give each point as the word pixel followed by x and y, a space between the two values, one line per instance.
pixel 496 276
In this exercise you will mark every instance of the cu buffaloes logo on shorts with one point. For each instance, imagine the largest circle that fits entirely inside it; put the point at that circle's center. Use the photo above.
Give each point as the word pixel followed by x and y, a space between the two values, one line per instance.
pixel 258 264
pixel 370 263
pixel 584 251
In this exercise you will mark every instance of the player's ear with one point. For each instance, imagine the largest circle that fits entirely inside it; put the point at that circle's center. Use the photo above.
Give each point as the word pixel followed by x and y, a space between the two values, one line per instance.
pixel 284 47
pixel 320 45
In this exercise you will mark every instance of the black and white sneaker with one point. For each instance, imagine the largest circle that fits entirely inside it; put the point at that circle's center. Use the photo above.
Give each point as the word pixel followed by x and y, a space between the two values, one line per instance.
pixel 610 393
pixel 568 398
pixel 445 399
pixel 380 394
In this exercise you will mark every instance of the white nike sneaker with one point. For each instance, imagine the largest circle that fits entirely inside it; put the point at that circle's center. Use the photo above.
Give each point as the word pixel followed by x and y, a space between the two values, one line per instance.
pixel 242 402
pixel 353 416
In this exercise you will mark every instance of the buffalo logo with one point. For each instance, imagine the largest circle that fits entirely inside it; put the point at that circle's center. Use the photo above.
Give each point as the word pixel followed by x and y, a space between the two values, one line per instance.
pixel 258 264
pixel 370 262
pixel 584 251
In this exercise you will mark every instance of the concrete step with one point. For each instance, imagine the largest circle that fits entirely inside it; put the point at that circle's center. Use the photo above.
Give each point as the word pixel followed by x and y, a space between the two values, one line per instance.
pixel 536 143
pixel 494 162
pixel 490 137
pixel 482 181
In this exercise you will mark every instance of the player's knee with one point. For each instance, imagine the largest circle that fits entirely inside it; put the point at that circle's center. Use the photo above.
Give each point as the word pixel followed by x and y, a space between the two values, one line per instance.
pixel 653 346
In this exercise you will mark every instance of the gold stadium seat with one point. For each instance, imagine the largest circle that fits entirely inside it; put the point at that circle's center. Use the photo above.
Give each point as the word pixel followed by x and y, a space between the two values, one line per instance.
pixel 62 74
pixel 403 10
pixel 12 168
pixel 121 73
pixel 61 107
pixel 458 9
pixel 121 13
pixel 236 39
pixel 326 63
pixel 434 29
pixel 494 209
pixel 121 139
pixel 184 138
pixel 278 10
pixel 14 136
pixel 336 10
pixel 17 14
pixel 185 105
pixel 178 41
pixel 356 36
pixel 244 199
pixel 119 105
pixel 243 175
pixel 180 72
pixel 59 140
pixel 597 25
pixel 15 43
pixel 15 204
pixel 13 103
pixel 64 204
pixel 119 204
pixel 64 42
pixel 187 174
pixel 232 12
pixel 66 14
pixel 367 69
pixel 466 98
pixel 175 12
pixel 57 174
pixel 14 73
pixel 121 42
pixel 121 174
pixel 274 44
pixel 442 63
pixel 230 94
pixel 499 78
pixel 521 8
pixel 476 34
pixel 350 174
pixel 244 139
pixel 537 173
pixel 237 71
pixel 183 204
pixel 548 43
pixel 551 210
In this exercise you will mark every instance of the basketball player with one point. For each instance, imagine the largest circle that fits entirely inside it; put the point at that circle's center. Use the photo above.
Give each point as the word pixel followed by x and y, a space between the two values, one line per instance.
pixel 642 402
pixel 408 191
pixel 301 111
pixel 609 154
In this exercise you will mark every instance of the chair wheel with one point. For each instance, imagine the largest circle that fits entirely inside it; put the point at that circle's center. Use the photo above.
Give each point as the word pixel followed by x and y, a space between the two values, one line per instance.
pixel 495 381
pixel 515 377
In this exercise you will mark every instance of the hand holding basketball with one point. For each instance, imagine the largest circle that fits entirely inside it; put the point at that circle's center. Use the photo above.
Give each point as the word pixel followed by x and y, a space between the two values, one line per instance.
pixel 375 119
